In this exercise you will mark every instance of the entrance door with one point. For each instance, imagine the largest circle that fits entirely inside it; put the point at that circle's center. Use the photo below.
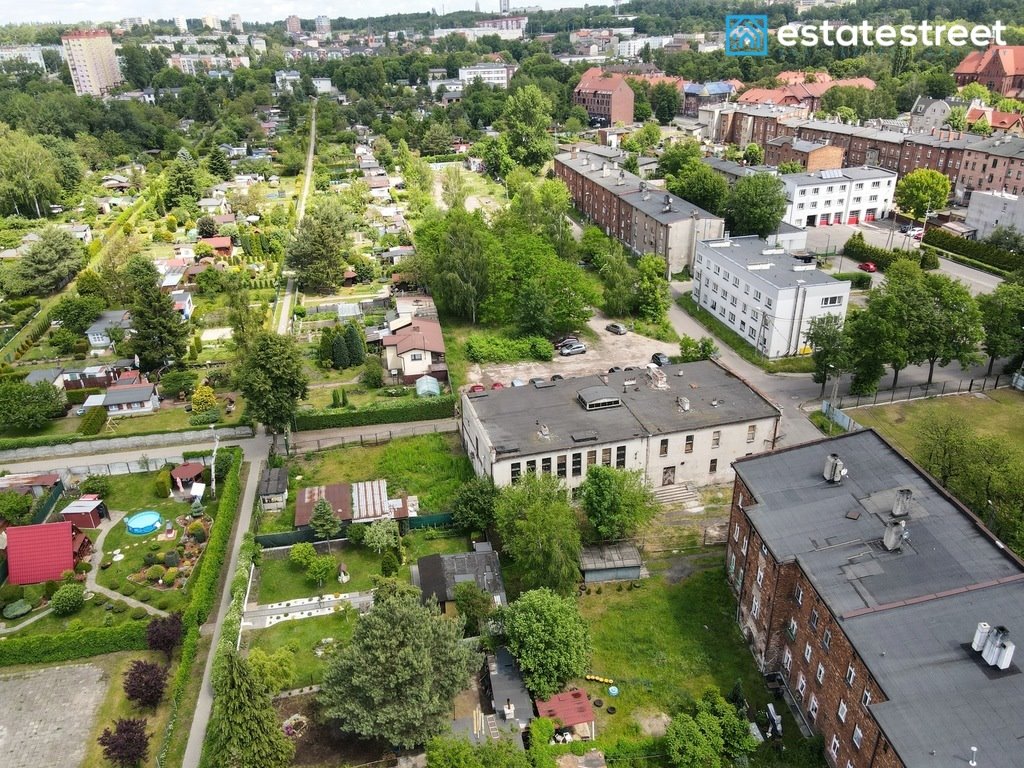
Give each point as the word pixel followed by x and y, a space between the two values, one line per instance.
pixel 668 476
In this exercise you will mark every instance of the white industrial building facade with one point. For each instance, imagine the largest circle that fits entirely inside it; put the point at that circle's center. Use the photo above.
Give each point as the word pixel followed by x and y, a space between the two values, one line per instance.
pixel 838 196
pixel 766 295
pixel 677 424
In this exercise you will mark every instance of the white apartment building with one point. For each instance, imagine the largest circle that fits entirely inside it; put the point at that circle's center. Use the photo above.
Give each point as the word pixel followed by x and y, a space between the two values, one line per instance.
pixel 30 54
pixel 496 75
pixel 838 196
pixel 286 79
pixel 212 22
pixel 677 424
pixel 764 294
pixel 181 24
pixel 92 61
pixel 630 49
pixel 323 25
pixel 988 210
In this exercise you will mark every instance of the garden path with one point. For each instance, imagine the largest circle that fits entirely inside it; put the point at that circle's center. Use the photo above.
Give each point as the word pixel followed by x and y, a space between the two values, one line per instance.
pixel 97 557
pixel 267 615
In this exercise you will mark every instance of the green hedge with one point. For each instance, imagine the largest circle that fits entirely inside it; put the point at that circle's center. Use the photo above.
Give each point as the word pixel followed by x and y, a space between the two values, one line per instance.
pixel 973 249
pixel 78 396
pixel 936 252
pixel 94 420
pixel 858 249
pixel 861 280
pixel 492 348
pixel 442 407
pixel 93 641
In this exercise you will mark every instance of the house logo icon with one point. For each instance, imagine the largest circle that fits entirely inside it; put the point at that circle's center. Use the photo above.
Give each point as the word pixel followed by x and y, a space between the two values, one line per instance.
pixel 746 35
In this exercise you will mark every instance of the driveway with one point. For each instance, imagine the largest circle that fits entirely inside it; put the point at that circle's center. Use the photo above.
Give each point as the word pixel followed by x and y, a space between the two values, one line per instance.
pixel 607 351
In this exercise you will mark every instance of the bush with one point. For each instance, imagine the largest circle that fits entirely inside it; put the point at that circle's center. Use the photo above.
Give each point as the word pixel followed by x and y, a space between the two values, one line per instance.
pixel 83 567
pixel 162 484
pixel 976 250
pixel 79 396
pixel 211 416
pixel 171 559
pixel 119 606
pixel 98 484
pixel 493 348
pixel 128 589
pixel 34 594
pixel 442 407
pixel 138 612
pixel 68 599
pixel 861 280
pixel 10 593
pixel 50 589
pixel 356 533
pixel 858 249
pixel 149 559
pixel 197 531
pixel 169 576
pixel 155 573
pixel 388 564
pixel 373 374
pixel 94 420
pixel 17 609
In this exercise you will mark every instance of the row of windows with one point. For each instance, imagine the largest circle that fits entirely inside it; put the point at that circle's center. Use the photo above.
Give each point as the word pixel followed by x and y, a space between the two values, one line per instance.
pixel 577 463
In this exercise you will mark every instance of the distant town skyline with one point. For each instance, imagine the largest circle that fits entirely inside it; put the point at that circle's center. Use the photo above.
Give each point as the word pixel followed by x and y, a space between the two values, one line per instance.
pixel 256 10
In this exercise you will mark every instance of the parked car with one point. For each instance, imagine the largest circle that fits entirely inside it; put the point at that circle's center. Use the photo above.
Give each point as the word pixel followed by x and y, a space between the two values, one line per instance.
pixel 868 266
pixel 517 383
pixel 557 377
pixel 80 410
pixel 573 349
pixel 916 232
pixel 477 388
pixel 919 235
pixel 562 341
pixel 659 358
pixel 615 369
pixel 904 229
pixel 538 380
pixel 617 328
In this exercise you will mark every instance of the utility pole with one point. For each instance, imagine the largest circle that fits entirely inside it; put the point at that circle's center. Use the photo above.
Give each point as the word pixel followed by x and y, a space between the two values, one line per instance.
pixel 213 469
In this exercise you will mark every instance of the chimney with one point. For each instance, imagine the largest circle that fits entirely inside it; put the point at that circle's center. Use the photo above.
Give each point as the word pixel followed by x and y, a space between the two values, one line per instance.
pixel 574 151
pixel 622 178
pixel 586 160
pixel 895 533
pixel 668 204
pixel 604 170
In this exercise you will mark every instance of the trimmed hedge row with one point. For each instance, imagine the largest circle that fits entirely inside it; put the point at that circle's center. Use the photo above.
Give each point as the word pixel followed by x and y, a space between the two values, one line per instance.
pixel 78 396
pixel 861 280
pixel 966 261
pixel 973 249
pixel 94 420
pixel 92 641
pixel 442 407
pixel 492 348
pixel 858 249
pixel 13 443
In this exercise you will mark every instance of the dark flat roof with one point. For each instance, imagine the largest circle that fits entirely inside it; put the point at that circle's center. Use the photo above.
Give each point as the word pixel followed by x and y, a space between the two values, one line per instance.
pixel 909 614
pixel 440 574
pixel 273 481
pixel 512 417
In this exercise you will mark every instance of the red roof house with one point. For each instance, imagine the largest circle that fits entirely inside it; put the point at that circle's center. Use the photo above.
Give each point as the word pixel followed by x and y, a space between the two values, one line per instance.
pixel 571 709
pixel 998 68
pixel 37 553
pixel 86 512
pixel 221 245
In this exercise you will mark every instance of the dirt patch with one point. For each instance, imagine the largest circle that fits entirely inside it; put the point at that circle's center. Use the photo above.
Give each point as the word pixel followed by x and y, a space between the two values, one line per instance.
pixel 652 723
pixel 323 744
pixel 603 352
pixel 681 567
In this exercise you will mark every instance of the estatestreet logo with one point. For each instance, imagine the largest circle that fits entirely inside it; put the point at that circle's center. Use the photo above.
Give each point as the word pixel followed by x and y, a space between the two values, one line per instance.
pixel 746 35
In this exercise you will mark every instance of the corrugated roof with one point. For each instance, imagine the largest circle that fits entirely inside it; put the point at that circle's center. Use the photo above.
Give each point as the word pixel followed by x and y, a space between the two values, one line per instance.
pixel 37 553
pixel 569 708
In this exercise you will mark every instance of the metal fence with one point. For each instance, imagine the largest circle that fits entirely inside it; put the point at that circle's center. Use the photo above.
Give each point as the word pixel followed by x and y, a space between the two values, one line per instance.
pixel 921 391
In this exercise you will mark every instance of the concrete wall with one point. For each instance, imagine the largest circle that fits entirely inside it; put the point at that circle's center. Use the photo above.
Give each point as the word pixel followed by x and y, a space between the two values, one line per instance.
pixel 128 443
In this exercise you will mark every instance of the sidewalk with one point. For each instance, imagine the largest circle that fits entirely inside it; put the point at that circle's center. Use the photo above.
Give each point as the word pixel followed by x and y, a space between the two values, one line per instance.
pixel 263 616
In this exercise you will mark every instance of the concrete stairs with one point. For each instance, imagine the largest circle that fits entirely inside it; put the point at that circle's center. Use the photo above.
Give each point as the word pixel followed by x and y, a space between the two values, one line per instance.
pixel 681 495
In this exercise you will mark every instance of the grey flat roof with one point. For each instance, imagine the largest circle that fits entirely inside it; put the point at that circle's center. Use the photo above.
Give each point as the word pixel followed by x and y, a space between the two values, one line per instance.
pixel 49 375
pixel 1006 145
pixel 512 417
pixel 622 554
pixel 440 574
pixel 656 201
pixel 853 173
pixel 114 318
pixel 134 393
pixel 910 615
pixel 749 250
pixel 591 167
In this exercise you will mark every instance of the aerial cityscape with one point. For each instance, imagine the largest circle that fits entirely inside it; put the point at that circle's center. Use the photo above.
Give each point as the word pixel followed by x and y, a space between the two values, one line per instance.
pixel 501 384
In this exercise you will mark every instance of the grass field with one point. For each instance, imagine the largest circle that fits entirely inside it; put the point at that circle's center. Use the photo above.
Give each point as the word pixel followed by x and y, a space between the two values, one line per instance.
pixel 301 637
pixel 665 643
pixel 998 413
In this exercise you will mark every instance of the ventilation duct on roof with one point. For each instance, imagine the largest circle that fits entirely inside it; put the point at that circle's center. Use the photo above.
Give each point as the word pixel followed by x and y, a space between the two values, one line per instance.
pixel 834 469
pixel 901 504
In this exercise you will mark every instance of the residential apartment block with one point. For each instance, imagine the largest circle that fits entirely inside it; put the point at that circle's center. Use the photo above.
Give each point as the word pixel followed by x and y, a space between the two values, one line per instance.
pixel 92 61
pixel 607 97
pixel 812 155
pixel 879 603
pixel 676 424
pixel 743 124
pixel 838 196
pixel 495 75
pixel 995 164
pixel 30 54
pixel 988 210
pixel 644 219
pixel 764 294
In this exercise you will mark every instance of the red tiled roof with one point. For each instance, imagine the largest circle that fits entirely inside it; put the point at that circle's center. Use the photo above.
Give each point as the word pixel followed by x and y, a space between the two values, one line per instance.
pixel 217 243
pixel 570 708
pixel 1009 58
pixel 594 79
pixel 791 94
pixel 997 119
pixel 187 471
pixel 37 553
pixel 339 495
pixel 677 82
pixel 422 333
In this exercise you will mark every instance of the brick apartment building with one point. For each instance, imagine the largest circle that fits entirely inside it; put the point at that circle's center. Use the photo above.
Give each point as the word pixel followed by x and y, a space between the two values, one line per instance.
pixel 812 155
pixel 995 164
pixel 741 125
pixel 861 597
pixel 999 68
pixel 607 97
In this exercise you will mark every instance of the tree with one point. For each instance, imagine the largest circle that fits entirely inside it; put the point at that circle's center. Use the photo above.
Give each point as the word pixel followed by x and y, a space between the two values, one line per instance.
pixel 652 295
pixel 922 191
pixel 539 532
pixel 68 599
pixel 128 744
pixel 29 406
pixel 206 226
pixel 620 280
pixel 49 263
pixel 77 313
pixel 830 347
pixel 753 154
pixel 756 205
pixel 953 324
pixel 159 336
pixel 981 127
pixel 475 605
pixel 452 752
pixel 244 732
pixel 355 344
pixel 939 84
pixel 324 522
pixel 957 118
pixel 15 508
pixel 317 254
pixel 691 350
pixel 790 166
pixel 203 399
pixel 548 638
pixel 182 190
pixel 736 738
pixel 437 139
pixel 846 115
pixel 90 284
pixel 526 118
pixel 644 139
pixel 400 651
pixel 472 505
pixel 677 156
pixel 703 186
pixel 164 634
pixel 217 163
pixel 381 535
pixel 694 742
pixel 178 382
pixel 275 670
pixel 28 175
pixel 1002 317
pixel 244 319
pixel 453 187
pixel 272 380
pixel 145 683
pixel 617 502
pixel 1008 238
pixel 302 554
pixel 665 101
pixel 321 569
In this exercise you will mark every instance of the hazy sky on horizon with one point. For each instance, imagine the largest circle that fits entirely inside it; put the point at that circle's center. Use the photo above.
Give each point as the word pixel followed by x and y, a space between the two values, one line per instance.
pixel 255 10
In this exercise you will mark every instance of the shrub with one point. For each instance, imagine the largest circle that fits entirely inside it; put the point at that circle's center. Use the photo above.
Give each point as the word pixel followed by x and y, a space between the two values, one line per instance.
pixel 34 594
pixel 17 609
pixel 493 348
pixel 858 249
pixel 976 250
pixel 83 567
pixel 169 576
pixel 388 564
pixel 373 374
pixel 403 410
pixel 211 416
pixel 79 396
pixel 162 484
pixel 171 559
pixel 119 606
pixel 50 589
pixel 149 559
pixel 10 593
pixel 94 420
pixel 68 599
pixel 155 573
pixel 302 554
pixel 98 484
pixel 138 612
pixel 67 576
pixel 197 531
pixel 356 533
pixel 861 280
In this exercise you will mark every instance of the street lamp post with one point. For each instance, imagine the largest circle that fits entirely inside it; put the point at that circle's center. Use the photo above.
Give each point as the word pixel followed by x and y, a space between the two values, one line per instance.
pixel 213 470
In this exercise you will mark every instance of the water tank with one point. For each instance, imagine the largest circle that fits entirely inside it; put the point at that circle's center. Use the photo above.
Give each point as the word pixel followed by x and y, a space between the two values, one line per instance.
pixel 980 635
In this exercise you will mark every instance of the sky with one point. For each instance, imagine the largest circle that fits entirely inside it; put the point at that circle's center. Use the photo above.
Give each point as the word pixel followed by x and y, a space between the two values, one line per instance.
pixel 256 10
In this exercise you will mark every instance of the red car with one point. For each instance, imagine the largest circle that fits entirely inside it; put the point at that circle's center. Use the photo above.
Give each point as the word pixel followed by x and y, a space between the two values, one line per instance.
pixel 497 385
pixel 919 235
pixel 477 388
pixel 868 266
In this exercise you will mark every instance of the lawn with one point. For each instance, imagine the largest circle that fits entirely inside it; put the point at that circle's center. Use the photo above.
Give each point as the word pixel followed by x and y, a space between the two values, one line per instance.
pixel 998 413
pixel 115 705
pixel 301 636
pixel 665 643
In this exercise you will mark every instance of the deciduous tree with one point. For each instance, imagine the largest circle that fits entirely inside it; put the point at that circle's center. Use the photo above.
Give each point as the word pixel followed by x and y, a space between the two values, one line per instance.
pixel 1002 316
pixel 272 380
pixel 701 185
pixel 678 156
pixel 472 505
pixel 29 406
pixel 381 535
pixel 830 345
pixel 756 205
pixel 617 502
pixel 652 294
pixel 475 605
pixel 128 744
pixel 665 100
pixel 164 634
pixel 321 569
pixel 922 191
pixel 145 683
pixel 526 118
pixel 76 313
